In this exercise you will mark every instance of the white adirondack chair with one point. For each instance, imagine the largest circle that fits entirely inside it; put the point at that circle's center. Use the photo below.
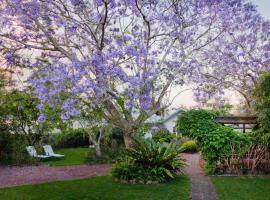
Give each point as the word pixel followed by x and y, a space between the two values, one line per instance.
pixel 33 153
pixel 49 152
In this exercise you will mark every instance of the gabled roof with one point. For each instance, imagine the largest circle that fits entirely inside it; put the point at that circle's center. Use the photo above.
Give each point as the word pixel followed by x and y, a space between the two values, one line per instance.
pixel 176 113
pixel 158 119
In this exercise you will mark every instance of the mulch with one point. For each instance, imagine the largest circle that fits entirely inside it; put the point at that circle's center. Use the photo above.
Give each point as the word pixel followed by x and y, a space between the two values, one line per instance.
pixel 14 176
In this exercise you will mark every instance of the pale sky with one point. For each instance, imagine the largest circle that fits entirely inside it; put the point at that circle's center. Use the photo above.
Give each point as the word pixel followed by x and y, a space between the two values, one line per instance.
pixel 263 7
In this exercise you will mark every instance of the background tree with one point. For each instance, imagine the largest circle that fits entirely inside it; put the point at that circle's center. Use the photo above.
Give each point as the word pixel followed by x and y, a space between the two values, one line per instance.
pixel 127 54
pixel 237 60
pixel 96 127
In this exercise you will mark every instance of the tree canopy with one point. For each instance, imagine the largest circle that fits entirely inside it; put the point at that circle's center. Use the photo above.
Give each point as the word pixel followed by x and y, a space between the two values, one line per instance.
pixel 123 54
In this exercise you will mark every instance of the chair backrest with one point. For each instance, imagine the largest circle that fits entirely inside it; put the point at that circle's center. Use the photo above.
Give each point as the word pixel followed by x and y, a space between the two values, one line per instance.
pixel 48 150
pixel 31 150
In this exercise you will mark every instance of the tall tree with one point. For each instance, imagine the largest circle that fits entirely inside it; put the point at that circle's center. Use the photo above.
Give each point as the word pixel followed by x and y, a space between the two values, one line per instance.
pixel 237 59
pixel 123 54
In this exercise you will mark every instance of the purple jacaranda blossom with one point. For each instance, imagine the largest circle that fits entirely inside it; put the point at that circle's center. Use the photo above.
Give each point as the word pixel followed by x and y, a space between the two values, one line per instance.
pixel 124 55
pixel 42 118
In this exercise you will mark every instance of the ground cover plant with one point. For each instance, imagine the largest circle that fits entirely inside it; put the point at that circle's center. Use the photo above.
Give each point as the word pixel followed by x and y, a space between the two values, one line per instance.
pixel 99 188
pixel 242 188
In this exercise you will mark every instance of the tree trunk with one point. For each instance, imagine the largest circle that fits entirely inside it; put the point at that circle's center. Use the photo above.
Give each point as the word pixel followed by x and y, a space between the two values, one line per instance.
pixel 129 141
pixel 96 144
pixel 128 137
pixel 98 150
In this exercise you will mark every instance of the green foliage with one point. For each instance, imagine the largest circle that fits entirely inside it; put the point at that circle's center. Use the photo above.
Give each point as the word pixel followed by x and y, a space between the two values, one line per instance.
pixel 163 135
pixel 13 150
pixel 149 161
pixel 189 146
pixel 140 174
pixel 262 102
pixel 69 138
pixel 196 123
pixel 214 140
pixel 209 168
pixel 142 130
pixel 109 155
pixel 117 134
pixel 19 108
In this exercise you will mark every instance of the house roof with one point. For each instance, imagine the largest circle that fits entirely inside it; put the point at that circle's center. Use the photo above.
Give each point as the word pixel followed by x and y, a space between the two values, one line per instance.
pixel 158 119
pixel 176 113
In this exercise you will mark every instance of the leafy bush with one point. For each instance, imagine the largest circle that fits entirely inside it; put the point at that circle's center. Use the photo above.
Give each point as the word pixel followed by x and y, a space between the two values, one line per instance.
pixel 163 135
pixel 149 162
pixel 109 155
pixel 142 130
pixel 262 104
pixel 196 123
pixel 189 146
pixel 70 138
pixel 214 140
pixel 13 150
pixel 117 134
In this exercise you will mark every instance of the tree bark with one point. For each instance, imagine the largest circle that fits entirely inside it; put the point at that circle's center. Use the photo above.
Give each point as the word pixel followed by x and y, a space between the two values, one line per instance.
pixel 96 144
pixel 129 141
pixel 98 150
pixel 129 137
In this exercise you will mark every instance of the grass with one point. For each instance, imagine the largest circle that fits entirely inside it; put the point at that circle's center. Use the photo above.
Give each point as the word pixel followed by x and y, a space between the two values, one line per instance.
pixel 242 188
pixel 73 156
pixel 99 188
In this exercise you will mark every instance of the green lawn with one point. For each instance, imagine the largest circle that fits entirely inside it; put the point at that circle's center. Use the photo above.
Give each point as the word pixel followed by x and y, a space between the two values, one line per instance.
pixel 73 156
pixel 99 188
pixel 242 188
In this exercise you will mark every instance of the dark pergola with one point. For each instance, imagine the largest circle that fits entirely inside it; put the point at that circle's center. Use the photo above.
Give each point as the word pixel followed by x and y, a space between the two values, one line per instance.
pixel 237 120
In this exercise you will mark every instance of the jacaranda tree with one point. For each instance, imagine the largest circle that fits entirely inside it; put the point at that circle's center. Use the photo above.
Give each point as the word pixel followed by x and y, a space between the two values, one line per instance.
pixel 123 54
pixel 237 59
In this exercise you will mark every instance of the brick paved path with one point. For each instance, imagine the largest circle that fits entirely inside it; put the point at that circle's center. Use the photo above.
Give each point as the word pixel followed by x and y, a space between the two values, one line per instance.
pixel 201 185
pixel 12 176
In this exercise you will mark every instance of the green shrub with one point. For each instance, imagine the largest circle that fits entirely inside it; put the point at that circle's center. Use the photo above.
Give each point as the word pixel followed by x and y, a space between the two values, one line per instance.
pixel 127 173
pixel 196 123
pixel 142 130
pixel 149 161
pixel 13 150
pixel 209 169
pixel 117 134
pixel 189 146
pixel 214 140
pixel 163 135
pixel 109 155
pixel 69 138
pixel 262 102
